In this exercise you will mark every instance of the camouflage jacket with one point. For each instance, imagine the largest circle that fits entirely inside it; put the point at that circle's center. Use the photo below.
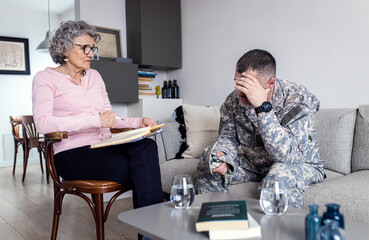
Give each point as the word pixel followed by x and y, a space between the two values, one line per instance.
pixel 277 136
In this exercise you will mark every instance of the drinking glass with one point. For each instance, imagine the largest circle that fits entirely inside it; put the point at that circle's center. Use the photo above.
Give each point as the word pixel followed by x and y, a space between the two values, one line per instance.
pixel 182 193
pixel 273 197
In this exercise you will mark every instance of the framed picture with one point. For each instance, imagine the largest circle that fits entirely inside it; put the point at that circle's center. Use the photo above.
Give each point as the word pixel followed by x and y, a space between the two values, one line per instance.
pixel 109 45
pixel 14 56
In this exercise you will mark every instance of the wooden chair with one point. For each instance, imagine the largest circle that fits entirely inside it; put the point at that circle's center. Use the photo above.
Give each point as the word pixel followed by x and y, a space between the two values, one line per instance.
pixel 78 188
pixel 32 139
pixel 16 122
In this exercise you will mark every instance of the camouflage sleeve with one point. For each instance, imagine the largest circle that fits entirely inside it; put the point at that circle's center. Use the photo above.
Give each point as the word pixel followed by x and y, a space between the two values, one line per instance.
pixel 292 143
pixel 227 140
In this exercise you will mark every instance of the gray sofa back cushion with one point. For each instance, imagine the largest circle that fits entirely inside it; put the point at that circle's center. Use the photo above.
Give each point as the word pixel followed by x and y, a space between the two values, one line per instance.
pixel 161 151
pixel 171 139
pixel 335 129
pixel 360 155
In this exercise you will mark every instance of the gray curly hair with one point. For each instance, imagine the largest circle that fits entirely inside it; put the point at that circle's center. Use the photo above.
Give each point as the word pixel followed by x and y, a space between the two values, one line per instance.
pixel 63 39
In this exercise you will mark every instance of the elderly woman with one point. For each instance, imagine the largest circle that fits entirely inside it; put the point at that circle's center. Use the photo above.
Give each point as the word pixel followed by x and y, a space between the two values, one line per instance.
pixel 72 97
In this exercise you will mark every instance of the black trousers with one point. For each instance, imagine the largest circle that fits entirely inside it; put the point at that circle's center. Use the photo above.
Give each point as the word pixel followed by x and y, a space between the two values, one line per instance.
pixel 134 163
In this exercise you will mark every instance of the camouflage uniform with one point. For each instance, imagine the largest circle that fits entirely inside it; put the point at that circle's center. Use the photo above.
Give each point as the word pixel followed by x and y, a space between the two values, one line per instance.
pixel 281 144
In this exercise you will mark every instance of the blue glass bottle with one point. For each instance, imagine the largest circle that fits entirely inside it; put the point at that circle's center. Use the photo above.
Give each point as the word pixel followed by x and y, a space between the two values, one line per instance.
pixel 312 223
pixel 331 231
pixel 334 214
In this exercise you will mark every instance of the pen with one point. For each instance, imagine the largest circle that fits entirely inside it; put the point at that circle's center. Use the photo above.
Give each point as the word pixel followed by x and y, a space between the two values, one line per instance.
pixel 119 118
pixel 116 117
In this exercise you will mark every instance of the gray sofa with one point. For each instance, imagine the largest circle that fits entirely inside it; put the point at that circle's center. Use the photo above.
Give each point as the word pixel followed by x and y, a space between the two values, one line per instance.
pixel 343 136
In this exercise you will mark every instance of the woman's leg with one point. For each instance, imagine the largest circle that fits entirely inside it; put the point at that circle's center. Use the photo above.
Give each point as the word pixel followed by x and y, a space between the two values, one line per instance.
pixel 93 164
pixel 145 171
pixel 132 163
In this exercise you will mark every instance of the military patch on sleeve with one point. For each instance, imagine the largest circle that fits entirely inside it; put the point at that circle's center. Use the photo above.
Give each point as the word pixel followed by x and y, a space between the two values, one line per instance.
pixel 294 114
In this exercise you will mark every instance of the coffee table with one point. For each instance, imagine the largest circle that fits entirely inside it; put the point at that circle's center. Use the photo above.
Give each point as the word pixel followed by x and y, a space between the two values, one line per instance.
pixel 163 221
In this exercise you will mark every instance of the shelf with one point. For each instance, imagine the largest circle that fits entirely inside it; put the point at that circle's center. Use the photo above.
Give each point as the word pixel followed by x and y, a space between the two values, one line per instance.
pixel 156 109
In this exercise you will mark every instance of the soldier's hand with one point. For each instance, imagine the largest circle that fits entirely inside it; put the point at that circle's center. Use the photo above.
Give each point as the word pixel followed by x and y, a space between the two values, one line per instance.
pixel 219 154
pixel 222 169
pixel 251 86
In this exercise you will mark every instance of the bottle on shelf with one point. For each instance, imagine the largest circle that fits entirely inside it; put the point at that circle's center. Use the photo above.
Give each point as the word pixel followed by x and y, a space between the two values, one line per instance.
pixel 169 89
pixel 312 222
pixel 164 90
pixel 175 89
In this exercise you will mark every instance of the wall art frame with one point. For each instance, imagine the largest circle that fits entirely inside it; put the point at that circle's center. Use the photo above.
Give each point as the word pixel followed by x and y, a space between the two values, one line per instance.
pixel 14 56
pixel 110 43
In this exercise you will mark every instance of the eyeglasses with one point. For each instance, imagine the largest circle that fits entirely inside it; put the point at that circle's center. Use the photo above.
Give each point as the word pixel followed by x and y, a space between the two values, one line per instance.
pixel 88 48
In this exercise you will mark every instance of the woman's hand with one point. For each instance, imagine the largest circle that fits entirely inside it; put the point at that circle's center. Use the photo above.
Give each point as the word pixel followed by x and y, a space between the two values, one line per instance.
pixel 107 119
pixel 147 122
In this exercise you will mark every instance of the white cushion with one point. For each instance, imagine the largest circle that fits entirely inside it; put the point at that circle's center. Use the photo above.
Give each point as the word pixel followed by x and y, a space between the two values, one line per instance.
pixel 202 125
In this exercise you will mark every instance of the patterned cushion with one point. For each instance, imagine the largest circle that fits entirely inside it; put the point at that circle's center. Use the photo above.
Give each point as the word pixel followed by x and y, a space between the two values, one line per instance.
pixel 179 118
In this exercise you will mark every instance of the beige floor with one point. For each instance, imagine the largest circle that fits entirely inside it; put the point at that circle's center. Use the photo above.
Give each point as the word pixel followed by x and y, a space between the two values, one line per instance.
pixel 26 210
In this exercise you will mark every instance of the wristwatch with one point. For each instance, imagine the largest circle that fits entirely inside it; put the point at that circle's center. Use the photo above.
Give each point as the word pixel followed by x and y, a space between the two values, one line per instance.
pixel 265 107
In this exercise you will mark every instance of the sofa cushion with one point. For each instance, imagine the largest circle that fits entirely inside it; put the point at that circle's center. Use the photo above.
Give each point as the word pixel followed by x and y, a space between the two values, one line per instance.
pixel 247 189
pixel 331 175
pixel 159 142
pixel 172 139
pixel 178 117
pixel 360 152
pixel 348 191
pixel 176 167
pixel 335 129
pixel 202 125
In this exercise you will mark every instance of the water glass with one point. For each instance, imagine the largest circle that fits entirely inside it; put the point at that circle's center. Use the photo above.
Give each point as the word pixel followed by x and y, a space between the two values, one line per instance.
pixel 273 197
pixel 182 193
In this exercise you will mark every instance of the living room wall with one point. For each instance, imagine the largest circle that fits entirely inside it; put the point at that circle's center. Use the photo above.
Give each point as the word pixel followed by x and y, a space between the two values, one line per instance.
pixel 16 90
pixel 320 44
pixel 112 14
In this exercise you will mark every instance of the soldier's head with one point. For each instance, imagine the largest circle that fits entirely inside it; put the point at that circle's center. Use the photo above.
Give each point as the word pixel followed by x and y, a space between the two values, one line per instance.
pixel 259 61
pixel 260 64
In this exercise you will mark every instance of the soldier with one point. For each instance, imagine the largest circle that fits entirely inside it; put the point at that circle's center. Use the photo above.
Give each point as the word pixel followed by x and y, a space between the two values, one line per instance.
pixel 267 131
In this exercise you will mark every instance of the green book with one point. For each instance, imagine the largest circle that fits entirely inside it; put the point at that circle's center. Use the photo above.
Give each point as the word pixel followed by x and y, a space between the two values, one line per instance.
pixel 222 216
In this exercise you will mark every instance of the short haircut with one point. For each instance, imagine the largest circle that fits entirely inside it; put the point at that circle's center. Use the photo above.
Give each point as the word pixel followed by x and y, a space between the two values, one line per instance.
pixel 257 60
pixel 63 39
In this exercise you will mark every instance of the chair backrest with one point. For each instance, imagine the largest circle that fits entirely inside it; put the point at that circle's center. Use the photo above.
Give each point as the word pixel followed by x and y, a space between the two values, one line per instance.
pixel 16 122
pixel 30 134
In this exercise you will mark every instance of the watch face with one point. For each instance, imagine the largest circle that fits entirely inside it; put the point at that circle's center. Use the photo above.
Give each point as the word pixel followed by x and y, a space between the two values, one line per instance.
pixel 267 106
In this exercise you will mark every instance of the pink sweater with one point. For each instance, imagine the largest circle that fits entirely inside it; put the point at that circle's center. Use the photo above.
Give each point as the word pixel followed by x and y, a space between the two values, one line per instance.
pixel 61 104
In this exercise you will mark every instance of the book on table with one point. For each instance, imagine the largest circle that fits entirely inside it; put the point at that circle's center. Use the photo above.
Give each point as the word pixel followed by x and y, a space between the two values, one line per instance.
pixel 227 220
pixel 254 232
pixel 223 215
pixel 129 136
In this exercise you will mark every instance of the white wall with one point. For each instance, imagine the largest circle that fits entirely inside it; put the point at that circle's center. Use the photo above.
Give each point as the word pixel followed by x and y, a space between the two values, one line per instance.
pixel 323 45
pixel 16 90
pixel 112 15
